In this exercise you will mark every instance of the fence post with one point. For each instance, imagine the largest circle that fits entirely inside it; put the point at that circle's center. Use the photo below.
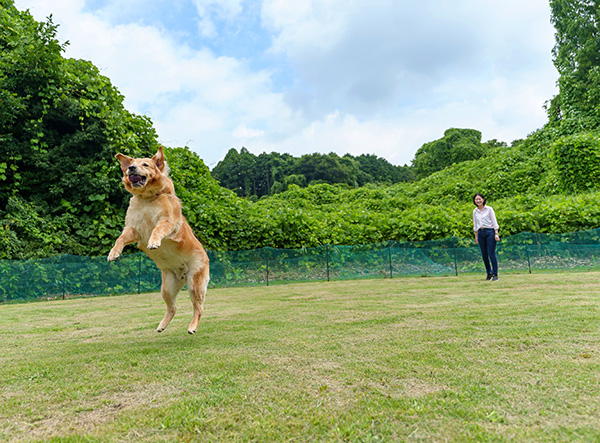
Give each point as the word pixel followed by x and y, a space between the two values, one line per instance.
pixel 267 256
pixel 64 275
pixel 390 260
pixel 528 261
pixel 455 255
pixel 327 259
pixel 139 272
pixel 455 262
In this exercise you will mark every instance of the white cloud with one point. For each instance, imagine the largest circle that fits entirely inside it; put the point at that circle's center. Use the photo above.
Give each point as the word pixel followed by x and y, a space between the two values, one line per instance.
pixel 344 134
pixel 365 76
pixel 211 10
pixel 366 57
pixel 243 133
pixel 305 24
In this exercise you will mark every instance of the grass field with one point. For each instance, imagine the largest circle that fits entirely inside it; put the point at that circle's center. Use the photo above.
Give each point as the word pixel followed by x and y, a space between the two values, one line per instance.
pixel 419 359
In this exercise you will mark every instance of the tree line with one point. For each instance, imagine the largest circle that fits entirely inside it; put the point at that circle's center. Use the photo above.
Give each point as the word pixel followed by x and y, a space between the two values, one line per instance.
pixel 250 175
pixel 265 174
pixel 62 122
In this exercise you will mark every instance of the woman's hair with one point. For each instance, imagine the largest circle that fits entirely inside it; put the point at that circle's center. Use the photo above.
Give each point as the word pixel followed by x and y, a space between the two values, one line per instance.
pixel 480 195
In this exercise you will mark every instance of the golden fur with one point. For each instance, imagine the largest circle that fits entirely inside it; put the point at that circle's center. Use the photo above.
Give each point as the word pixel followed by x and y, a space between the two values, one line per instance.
pixel 154 220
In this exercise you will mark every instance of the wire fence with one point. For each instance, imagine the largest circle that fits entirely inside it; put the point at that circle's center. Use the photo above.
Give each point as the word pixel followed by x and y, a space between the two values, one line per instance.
pixel 68 276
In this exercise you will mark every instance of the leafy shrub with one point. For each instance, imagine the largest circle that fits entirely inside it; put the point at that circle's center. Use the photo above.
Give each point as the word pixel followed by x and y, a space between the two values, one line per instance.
pixel 577 160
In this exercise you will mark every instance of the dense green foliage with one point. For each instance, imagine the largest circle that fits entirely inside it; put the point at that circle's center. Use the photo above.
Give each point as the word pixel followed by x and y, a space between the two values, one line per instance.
pixel 577 159
pixel 259 175
pixel 577 59
pixel 61 123
pixel 457 145
pixel 247 174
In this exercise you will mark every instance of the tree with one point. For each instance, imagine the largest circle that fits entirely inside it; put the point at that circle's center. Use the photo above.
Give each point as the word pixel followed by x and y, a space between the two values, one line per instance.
pixel 247 174
pixel 61 124
pixel 273 168
pixel 319 168
pixel 495 144
pixel 577 59
pixel 380 170
pixel 457 145
pixel 294 179
pixel 232 172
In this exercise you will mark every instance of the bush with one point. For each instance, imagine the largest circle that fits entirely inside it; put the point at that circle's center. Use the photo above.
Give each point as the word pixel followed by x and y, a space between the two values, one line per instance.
pixel 577 160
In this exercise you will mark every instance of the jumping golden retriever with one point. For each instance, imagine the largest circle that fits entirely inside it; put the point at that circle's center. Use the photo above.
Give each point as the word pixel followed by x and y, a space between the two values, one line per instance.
pixel 154 220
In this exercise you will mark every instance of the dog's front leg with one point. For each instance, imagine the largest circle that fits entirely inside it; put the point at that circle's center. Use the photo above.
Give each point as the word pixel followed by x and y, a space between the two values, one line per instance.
pixel 128 236
pixel 160 231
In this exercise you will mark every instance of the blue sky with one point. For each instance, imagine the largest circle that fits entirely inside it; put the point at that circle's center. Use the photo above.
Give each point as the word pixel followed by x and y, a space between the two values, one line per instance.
pixel 347 76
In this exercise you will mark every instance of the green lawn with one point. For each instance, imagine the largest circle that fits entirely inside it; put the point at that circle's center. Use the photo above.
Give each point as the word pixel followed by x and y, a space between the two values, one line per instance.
pixel 417 359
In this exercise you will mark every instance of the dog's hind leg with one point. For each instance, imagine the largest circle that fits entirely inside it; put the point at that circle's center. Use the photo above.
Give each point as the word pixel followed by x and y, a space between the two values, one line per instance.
pixel 197 283
pixel 171 284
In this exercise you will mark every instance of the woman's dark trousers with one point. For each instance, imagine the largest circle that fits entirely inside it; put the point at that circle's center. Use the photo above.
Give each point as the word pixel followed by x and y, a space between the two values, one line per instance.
pixel 487 244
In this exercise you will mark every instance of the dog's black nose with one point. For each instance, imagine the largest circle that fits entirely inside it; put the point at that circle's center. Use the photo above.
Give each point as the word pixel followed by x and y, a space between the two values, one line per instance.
pixel 132 168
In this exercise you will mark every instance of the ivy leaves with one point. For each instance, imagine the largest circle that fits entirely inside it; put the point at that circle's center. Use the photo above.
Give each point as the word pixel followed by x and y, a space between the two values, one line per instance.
pixel 577 160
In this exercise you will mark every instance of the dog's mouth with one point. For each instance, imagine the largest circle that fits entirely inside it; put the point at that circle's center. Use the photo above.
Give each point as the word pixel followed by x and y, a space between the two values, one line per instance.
pixel 137 181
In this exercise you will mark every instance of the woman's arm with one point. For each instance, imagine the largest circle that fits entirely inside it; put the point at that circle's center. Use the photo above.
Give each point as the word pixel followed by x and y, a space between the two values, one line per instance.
pixel 494 224
pixel 475 227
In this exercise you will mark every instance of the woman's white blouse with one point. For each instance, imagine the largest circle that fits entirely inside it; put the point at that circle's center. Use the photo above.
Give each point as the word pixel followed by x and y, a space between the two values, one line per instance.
pixel 486 218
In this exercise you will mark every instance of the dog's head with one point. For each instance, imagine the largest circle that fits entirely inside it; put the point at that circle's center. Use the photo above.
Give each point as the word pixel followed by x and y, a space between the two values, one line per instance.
pixel 142 175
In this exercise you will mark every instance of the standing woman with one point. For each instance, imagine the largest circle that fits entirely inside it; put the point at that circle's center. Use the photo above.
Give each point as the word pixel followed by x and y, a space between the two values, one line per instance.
pixel 486 235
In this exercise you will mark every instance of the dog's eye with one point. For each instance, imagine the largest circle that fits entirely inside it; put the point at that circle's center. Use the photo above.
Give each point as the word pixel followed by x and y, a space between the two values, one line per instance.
pixel 145 164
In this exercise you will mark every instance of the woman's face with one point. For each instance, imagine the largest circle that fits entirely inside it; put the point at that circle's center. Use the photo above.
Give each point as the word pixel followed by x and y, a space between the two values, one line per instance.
pixel 478 200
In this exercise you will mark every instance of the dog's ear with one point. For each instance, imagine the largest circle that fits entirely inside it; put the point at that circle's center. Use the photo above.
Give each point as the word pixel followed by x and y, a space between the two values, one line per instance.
pixel 159 159
pixel 124 160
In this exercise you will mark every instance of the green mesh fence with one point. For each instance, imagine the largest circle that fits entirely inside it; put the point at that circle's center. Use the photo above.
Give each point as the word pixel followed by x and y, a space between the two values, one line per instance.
pixel 67 276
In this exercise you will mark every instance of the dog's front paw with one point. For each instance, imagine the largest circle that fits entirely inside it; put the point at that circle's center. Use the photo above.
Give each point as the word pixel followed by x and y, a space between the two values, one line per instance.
pixel 113 255
pixel 153 244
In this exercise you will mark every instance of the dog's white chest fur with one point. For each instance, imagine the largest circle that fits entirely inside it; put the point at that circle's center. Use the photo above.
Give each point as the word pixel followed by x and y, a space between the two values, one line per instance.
pixel 143 216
